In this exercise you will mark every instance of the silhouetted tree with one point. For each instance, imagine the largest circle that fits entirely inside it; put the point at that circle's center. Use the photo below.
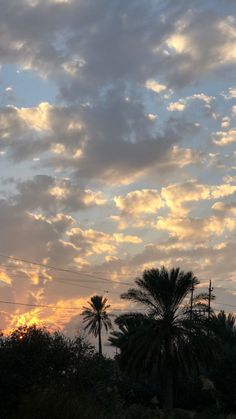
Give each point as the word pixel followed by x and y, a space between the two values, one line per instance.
pixel 224 327
pixel 224 374
pixel 29 357
pixel 166 338
pixel 96 316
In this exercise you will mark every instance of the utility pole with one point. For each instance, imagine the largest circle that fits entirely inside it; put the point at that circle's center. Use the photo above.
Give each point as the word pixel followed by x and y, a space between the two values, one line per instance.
pixel 210 290
pixel 191 303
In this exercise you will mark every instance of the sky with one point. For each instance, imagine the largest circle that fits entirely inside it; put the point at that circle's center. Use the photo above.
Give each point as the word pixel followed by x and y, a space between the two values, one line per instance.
pixel 117 151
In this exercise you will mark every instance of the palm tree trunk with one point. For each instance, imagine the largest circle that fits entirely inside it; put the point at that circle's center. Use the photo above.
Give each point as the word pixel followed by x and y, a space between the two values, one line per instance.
pixel 99 337
pixel 168 376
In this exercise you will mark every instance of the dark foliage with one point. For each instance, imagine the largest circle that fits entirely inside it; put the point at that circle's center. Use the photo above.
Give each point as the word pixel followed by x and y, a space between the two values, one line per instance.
pixel 171 338
pixel 224 375
pixel 48 375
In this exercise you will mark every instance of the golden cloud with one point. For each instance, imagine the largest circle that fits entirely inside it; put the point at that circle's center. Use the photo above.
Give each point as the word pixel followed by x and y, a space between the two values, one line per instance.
pixel 144 201
pixel 223 138
pixel 4 277
pixel 98 242
pixel 37 118
pixel 177 195
pixel 153 85
pixel 194 228
pixel 176 106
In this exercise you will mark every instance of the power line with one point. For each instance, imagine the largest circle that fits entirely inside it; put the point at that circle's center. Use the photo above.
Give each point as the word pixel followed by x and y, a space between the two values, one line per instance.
pixel 19 267
pixel 63 308
pixel 43 265
pixel 75 272
pixel 23 275
pixel 39 305
pixel 67 281
pixel 119 310
pixel 13 267
pixel 74 282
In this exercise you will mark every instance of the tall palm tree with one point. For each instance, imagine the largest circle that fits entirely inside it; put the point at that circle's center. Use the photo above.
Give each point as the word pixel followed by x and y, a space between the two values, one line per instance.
pixel 96 316
pixel 168 337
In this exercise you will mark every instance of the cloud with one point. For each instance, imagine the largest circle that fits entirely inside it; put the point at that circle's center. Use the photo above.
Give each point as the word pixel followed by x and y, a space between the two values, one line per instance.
pixel 4 277
pixel 36 118
pixel 231 93
pixel 221 191
pixel 155 86
pixel 183 103
pixel 35 229
pixel 53 319
pixel 222 207
pixel 178 222
pixel 230 179
pixel 53 194
pixel 205 260
pixel 198 47
pixel 178 197
pixel 202 96
pixel 127 42
pixel 174 197
pixel 98 242
pixel 122 238
pixel 152 116
pixel 194 228
pixel 176 106
pixel 138 202
pixel 29 132
pixel 135 149
pixel 32 228
pixel 223 138
pixel 136 206
pixel 112 140
pixel 225 122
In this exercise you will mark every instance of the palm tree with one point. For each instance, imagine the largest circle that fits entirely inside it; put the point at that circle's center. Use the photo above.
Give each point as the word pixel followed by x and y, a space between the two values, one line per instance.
pixel 171 336
pixel 224 374
pixel 96 316
pixel 224 327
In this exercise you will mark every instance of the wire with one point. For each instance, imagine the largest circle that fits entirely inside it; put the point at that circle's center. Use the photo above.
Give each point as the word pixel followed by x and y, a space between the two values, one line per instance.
pixel 75 273
pixel 64 279
pixel 63 269
pixel 81 271
pixel 72 308
pixel 72 284
pixel 61 308
pixel 38 305
pixel 67 281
